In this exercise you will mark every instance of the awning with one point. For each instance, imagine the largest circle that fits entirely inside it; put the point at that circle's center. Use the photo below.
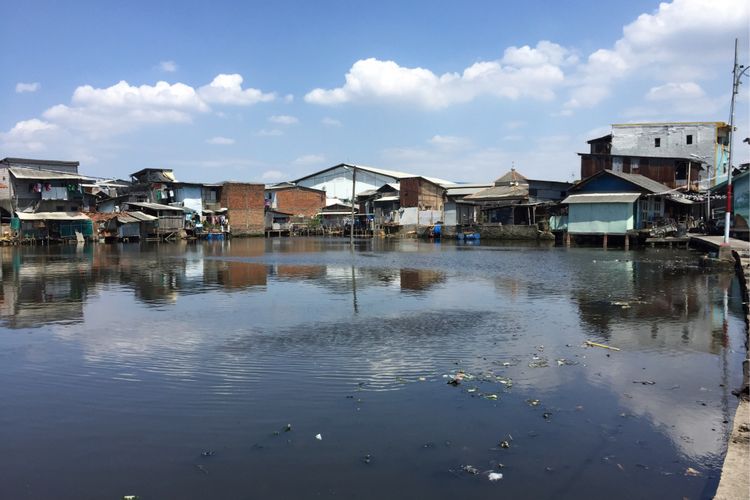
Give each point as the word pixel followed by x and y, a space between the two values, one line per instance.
pixel 52 216
pixel 602 198
pixel 152 206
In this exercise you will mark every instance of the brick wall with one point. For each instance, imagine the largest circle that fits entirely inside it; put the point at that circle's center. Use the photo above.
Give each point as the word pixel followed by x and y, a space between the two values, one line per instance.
pixel 245 207
pixel 298 201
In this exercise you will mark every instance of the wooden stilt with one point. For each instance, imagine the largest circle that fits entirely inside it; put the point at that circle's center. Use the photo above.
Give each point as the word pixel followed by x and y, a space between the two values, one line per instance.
pixel 567 239
pixel 604 242
pixel 627 242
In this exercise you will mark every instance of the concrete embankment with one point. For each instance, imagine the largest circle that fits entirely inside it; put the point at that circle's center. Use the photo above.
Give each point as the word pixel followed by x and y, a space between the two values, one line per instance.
pixel 735 474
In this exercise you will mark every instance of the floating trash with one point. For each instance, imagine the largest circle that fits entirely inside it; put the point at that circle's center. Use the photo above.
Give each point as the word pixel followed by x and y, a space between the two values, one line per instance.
pixel 470 469
pixel 319 437
pixel 504 444
pixel 208 453
pixel 692 472
pixel 644 382
pixel 533 402
pixel 494 476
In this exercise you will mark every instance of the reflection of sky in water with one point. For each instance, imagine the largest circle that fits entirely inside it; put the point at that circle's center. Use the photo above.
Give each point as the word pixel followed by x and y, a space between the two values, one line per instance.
pixel 212 328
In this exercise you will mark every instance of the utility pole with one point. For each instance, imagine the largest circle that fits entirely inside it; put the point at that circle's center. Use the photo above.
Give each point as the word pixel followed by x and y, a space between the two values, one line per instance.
pixel 354 186
pixel 737 72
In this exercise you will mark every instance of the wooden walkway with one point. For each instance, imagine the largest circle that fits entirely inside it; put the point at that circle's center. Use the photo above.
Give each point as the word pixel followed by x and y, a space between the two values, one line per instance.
pixel 716 242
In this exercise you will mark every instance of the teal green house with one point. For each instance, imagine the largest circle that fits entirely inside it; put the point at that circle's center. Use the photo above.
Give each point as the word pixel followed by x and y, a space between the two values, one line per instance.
pixel 616 203
pixel 740 199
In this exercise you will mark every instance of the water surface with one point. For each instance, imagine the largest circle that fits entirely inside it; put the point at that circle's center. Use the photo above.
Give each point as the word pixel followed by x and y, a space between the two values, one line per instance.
pixel 122 364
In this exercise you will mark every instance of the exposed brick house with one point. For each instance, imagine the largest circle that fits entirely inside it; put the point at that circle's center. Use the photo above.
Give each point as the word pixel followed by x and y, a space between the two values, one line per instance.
pixel 295 200
pixel 245 204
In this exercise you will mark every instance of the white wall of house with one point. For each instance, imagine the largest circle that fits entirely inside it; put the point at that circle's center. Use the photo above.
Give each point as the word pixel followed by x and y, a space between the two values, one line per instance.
pixel 337 183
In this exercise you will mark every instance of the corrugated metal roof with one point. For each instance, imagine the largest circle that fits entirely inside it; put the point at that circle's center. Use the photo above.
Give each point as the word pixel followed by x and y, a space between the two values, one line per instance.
pixel 460 190
pixel 500 193
pixel 641 181
pixel 152 206
pixel 52 216
pixel 387 198
pixel 381 171
pixel 33 173
pixel 602 198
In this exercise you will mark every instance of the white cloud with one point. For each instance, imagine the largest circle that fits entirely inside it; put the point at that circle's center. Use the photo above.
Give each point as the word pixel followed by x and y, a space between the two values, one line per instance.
pixel 28 135
pixel 273 175
pixel 682 40
pixel 515 124
pixel 283 119
pixel 308 160
pixel 449 142
pixel 96 113
pixel 220 141
pixel 227 89
pixel 513 138
pixel 545 53
pixel 330 122
pixel 671 91
pixel 376 80
pixel 289 98
pixel 168 66
pixel 27 87
pixel 274 132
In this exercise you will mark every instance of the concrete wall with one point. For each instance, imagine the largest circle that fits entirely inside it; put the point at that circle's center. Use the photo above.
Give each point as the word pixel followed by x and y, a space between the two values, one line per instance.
pixel 600 218
pixel 245 205
pixel 707 141
pixel 493 232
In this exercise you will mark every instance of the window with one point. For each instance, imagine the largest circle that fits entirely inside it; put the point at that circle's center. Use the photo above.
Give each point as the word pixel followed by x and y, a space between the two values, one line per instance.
pixel 689 139
pixel 532 192
pixel 657 142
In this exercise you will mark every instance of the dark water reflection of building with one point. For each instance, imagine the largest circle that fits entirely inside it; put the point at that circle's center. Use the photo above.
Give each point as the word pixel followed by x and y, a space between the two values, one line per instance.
pixel 43 287
pixel 639 303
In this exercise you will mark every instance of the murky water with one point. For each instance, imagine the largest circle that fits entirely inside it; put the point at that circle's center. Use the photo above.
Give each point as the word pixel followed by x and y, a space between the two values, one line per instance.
pixel 121 365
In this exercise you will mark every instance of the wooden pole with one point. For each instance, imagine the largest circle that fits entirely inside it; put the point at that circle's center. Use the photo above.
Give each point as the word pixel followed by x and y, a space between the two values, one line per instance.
pixel 604 241
pixel 627 242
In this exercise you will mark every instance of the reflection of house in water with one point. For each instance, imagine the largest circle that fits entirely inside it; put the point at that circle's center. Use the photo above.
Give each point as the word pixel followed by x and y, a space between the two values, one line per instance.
pixel 40 289
pixel 294 272
pixel 420 279
pixel 655 305
pixel 233 275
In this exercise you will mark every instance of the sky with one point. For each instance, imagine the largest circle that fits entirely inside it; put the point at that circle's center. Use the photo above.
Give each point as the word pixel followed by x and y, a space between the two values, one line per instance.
pixel 272 91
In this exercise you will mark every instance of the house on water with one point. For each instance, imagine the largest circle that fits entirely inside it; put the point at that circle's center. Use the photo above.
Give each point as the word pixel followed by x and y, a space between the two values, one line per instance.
pixel 617 204
pixel 42 199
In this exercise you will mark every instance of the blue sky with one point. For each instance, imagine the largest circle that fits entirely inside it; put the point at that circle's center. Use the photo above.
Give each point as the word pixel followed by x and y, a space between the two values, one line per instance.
pixel 270 91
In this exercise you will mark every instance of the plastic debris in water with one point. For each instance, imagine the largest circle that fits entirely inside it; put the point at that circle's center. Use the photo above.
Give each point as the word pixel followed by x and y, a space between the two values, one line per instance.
pixel 692 472
pixel 208 453
pixel 504 444
pixel 319 437
pixel 533 402
pixel 470 469
pixel 491 397
pixel 130 497
pixel 288 428
pixel 494 476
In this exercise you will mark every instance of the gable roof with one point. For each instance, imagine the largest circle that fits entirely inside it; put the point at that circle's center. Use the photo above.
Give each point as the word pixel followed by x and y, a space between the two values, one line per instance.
pixel 638 180
pixel 511 176
pixel 396 175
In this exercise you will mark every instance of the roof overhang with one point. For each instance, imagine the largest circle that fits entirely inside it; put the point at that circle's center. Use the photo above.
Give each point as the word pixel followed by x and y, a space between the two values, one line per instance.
pixel 52 216
pixel 601 198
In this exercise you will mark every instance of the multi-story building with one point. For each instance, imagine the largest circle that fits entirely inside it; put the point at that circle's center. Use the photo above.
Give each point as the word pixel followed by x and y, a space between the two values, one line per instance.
pixel 692 155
